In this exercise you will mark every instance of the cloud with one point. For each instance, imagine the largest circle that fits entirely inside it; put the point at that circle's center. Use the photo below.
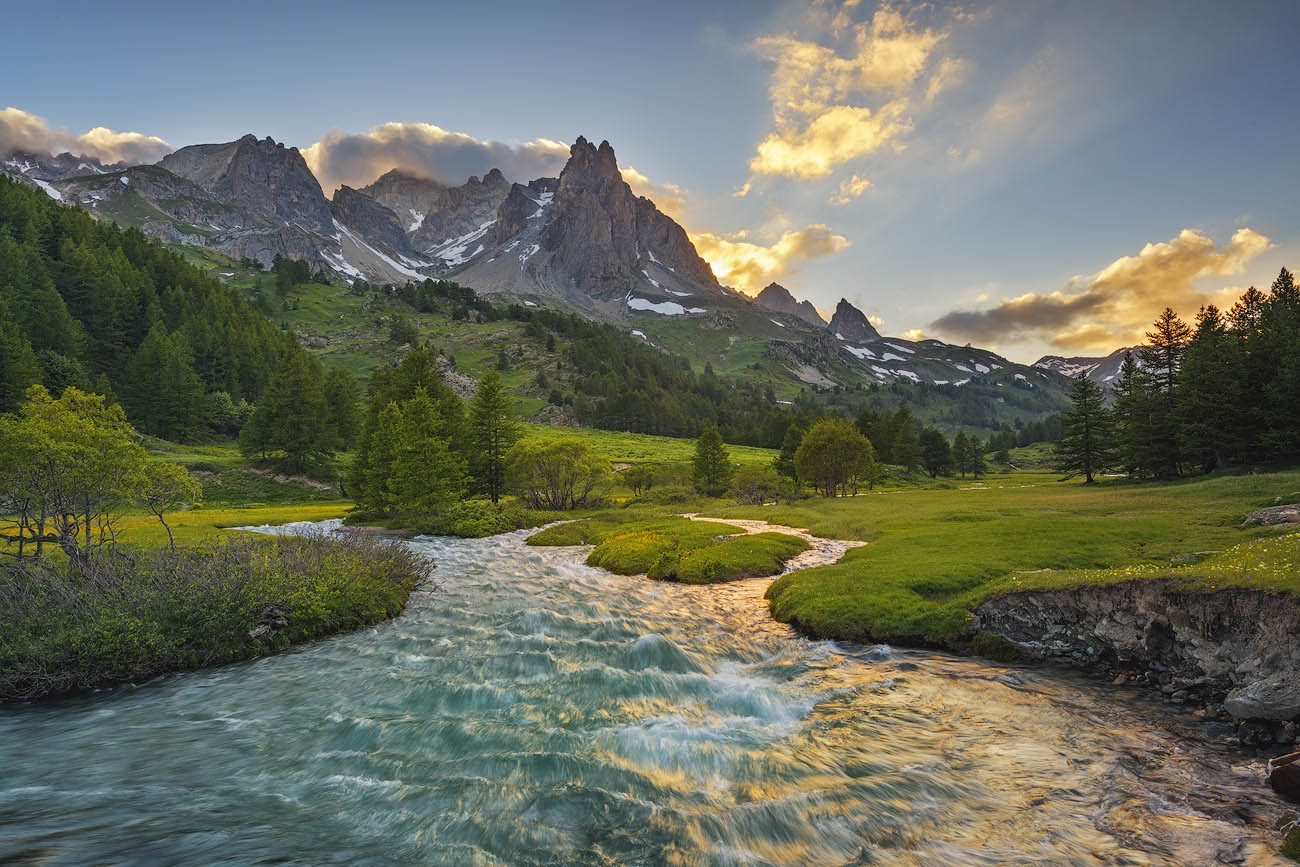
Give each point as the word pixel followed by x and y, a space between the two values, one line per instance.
pixel 951 72
pixel 23 131
pixel 749 266
pixel 669 198
pixel 423 149
pixel 1116 305
pixel 913 334
pixel 836 136
pixel 818 93
pixel 850 188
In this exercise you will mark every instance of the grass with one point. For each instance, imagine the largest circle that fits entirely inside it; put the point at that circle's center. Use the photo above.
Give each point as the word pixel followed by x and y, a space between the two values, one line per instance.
pixel 675 549
pixel 937 554
pixel 643 448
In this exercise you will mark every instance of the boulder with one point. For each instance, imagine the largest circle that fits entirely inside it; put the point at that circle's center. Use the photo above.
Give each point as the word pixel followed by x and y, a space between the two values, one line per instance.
pixel 1273 698
pixel 1288 514
pixel 1284 775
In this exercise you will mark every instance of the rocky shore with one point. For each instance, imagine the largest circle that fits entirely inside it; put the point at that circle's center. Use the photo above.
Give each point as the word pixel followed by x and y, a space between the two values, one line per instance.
pixel 1232 652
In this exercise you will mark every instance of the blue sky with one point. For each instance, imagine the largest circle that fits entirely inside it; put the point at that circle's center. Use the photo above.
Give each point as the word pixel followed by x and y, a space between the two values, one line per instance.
pixel 1034 177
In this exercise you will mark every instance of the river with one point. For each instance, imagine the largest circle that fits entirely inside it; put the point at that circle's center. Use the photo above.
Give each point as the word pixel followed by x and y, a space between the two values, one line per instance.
pixel 532 710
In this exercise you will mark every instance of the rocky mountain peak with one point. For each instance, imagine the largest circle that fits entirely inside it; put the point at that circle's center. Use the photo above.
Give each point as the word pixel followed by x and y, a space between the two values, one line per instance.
pixel 777 298
pixel 851 323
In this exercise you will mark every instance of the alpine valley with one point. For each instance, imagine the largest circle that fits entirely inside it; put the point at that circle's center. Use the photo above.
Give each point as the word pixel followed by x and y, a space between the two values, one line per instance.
pixel 582 243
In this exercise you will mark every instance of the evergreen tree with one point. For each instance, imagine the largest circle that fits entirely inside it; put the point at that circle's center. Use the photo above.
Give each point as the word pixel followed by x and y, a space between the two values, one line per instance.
pixel 1088 444
pixel 783 463
pixel 19 369
pixel 1163 358
pixel 1207 392
pixel 163 393
pixel 936 454
pixel 1280 335
pixel 712 463
pixel 427 475
pixel 906 439
pixel 493 431
pixel 1135 418
pixel 293 418
pixel 343 395
pixel 962 456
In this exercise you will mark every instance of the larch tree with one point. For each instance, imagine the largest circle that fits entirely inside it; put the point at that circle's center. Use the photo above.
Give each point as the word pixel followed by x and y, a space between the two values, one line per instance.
pixel 493 432
pixel 1087 447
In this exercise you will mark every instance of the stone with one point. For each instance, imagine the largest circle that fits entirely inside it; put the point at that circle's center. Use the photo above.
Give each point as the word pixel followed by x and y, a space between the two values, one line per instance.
pixel 1284 775
pixel 1287 514
pixel 1273 698
pixel 1254 733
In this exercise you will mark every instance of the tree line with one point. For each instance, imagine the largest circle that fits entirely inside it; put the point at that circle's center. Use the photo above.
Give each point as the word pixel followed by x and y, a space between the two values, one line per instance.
pixel 1222 393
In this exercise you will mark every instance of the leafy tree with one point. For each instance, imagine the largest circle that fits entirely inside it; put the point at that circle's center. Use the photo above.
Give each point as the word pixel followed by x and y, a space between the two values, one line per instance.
pixel 1088 444
pixel 936 454
pixel 493 431
pixel 83 468
pixel 555 474
pixel 835 458
pixel 640 478
pixel 756 485
pixel 165 487
pixel 712 463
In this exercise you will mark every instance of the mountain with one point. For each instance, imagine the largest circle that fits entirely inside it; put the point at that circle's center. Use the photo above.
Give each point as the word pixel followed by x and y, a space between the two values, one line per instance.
pixel 777 298
pixel 38 170
pixel 1103 370
pixel 405 195
pixel 851 324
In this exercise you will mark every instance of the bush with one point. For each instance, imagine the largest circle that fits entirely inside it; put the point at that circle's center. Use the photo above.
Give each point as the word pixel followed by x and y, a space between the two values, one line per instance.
pixel 756 485
pixel 556 474
pixel 672 495
pixel 117 621
pixel 474 519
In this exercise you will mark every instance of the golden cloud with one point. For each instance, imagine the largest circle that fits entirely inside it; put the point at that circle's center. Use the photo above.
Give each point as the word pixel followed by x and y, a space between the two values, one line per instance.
pixel 1115 306
pixel 429 151
pixel 834 137
pixel 850 188
pixel 749 266
pixel 669 198
pixel 816 92
pixel 23 131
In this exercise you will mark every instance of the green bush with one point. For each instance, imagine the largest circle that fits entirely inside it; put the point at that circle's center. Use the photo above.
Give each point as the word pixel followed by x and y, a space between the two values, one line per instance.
pixel 474 519
pixel 240 598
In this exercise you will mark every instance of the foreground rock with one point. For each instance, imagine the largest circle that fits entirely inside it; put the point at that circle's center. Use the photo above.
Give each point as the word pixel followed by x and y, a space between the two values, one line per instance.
pixel 1287 514
pixel 1232 651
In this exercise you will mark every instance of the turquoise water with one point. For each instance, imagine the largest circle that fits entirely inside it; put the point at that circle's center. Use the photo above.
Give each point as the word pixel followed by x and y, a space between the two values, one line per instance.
pixel 531 710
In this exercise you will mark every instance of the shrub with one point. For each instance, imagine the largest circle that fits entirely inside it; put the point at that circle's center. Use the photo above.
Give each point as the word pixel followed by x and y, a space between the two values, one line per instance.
pixel 756 485
pixel 556 474
pixel 474 519
pixel 240 598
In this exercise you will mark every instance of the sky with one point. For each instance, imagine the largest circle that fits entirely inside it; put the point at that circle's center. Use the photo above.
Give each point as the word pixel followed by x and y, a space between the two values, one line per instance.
pixel 1031 177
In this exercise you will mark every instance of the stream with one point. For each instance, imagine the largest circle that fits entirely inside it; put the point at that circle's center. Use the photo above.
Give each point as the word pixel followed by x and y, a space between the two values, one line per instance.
pixel 532 710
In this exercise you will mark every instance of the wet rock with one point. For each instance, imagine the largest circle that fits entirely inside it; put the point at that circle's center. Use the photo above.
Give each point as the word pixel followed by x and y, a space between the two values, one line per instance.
pixel 1284 775
pixel 1255 733
pixel 1179 697
pixel 1274 698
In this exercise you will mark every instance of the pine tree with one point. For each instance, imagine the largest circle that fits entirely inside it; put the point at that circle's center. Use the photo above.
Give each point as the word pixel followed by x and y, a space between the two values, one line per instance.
pixel 1207 391
pixel 1163 358
pixel 1088 444
pixel 427 475
pixel 961 454
pixel 906 440
pixel 343 395
pixel 1134 418
pixel 936 454
pixel 712 463
pixel 295 417
pixel 783 463
pixel 1280 334
pixel 493 431
pixel 19 369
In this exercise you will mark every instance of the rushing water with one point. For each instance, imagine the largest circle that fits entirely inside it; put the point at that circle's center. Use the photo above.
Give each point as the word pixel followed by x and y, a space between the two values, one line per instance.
pixel 532 710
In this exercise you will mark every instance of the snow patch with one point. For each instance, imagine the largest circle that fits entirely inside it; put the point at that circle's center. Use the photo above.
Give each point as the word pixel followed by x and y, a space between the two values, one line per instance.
pixel 982 368
pixel 889 356
pixel 529 304
pixel 774 322
pixel 664 308
pixel 417 220
pixel 641 334
pixel 860 351
pixel 901 348
pixel 49 190
pixel 453 251
pixel 126 182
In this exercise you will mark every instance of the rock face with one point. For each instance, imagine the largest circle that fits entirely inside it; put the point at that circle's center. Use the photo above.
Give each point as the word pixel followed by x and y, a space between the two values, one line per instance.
pixel 406 195
pixel 777 298
pixel 263 177
pixel 1234 646
pixel 851 324
pixel 601 235
pixel 374 222
pixel 456 211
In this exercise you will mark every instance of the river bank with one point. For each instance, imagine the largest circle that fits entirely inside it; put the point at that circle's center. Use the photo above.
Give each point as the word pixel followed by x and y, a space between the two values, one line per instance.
pixel 536 711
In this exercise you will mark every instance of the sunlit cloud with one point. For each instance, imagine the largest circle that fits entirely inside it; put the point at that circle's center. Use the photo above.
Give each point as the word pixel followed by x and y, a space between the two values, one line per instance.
pixel 669 198
pixel 1115 306
pixel 820 94
pixel 914 334
pixel 749 266
pixel 427 151
pixel 850 188
pixel 23 131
